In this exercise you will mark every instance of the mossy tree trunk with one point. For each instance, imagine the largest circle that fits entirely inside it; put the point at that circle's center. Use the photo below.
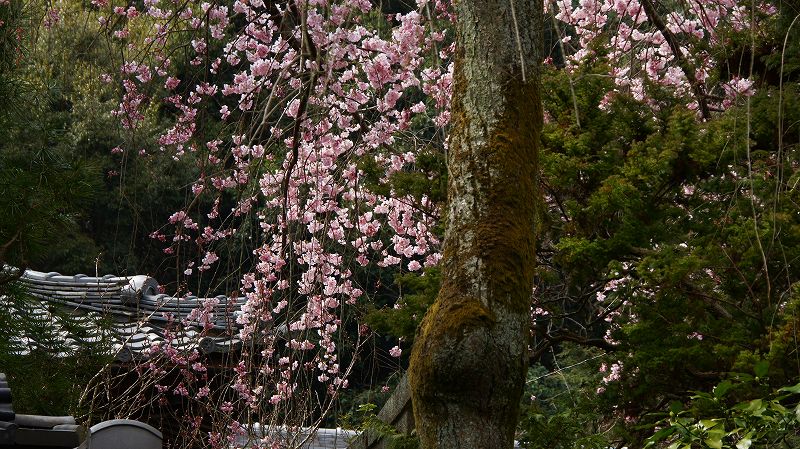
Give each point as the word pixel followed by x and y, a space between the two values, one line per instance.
pixel 468 363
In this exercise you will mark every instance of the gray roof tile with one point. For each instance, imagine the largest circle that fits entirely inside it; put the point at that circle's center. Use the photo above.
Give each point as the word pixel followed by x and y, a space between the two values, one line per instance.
pixel 126 314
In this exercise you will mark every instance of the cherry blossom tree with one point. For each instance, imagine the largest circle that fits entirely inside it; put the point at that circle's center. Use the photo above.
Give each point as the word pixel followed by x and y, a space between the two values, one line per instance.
pixel 307 93
pixel 320 104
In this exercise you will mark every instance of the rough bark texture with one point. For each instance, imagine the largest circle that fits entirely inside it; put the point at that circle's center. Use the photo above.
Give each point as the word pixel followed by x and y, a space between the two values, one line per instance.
pixel 468 363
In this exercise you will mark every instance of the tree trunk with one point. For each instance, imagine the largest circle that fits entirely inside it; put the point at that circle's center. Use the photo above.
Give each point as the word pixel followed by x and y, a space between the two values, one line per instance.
pixel 469 360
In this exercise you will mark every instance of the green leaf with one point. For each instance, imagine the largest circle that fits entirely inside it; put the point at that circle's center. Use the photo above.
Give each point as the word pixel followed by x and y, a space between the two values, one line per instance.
pixel 709 423
pixel 761 369
pixel 715 436
pixel 774 405
pixel 661 434
pixel 714 442
pixel 755 407
pixel 794 389
pixel 366 408
pixel 701 395
pixel 723 387
pixel 746 441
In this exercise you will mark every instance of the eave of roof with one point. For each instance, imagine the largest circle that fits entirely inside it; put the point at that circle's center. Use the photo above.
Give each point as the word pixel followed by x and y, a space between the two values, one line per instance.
pixel 125 315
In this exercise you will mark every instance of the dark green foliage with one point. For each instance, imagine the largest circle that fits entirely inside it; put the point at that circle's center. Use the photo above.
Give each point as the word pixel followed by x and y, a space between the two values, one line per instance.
pixel 558 407
pixel 365 419
pixel 42 194
pixel 49 379
pixel 564 430
pixel 417 293
pixel 426 177
pixel 60 108
pixel 697 224
pixel 739 412
pixel 402 442
pixel 45 184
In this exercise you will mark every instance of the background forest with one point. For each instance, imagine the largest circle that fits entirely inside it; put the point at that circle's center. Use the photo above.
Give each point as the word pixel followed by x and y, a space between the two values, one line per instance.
pixel 667 292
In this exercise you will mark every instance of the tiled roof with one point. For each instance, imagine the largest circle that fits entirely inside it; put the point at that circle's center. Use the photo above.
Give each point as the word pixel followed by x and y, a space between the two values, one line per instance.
pixel 63 314
pixel 126 316
pixel 128 297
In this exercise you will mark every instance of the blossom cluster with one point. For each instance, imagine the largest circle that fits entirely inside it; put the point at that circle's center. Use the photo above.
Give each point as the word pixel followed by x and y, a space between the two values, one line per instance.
pixel 313 91
pixel 647 47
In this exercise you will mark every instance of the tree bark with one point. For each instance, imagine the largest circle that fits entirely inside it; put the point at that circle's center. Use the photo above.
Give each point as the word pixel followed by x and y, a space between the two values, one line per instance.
pixel 469 360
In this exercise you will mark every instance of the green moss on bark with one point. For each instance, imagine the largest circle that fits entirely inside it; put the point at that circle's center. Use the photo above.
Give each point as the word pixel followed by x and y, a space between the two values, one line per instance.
pixel 460 362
